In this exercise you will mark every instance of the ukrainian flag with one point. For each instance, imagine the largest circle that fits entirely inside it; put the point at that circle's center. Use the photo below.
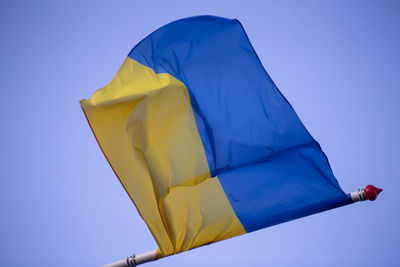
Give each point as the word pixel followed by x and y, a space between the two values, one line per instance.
pixel 203 141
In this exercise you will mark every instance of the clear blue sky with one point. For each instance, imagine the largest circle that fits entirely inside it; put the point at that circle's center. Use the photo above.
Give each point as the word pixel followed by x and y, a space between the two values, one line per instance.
pixel 337 62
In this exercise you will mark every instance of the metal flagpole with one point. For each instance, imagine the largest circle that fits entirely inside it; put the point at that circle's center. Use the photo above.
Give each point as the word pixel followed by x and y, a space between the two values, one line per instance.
pixel 132 261
pixel 370 192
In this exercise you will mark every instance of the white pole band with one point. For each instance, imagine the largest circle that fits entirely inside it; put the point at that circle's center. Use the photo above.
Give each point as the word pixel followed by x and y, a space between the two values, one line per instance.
pixel 145 257
pixel 133 260
pixel 359 195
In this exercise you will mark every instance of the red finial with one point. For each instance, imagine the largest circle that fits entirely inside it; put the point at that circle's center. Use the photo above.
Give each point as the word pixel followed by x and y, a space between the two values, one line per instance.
pixel 371 192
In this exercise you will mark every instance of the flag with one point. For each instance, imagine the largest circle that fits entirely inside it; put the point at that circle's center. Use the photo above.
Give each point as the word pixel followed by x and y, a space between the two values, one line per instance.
pixel 203 141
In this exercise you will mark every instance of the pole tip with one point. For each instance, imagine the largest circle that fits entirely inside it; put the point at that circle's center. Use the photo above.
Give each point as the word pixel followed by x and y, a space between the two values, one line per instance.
pixel 372 192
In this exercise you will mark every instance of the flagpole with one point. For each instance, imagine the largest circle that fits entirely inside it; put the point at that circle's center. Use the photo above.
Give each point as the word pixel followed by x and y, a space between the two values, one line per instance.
pixel 133 261
pixel 370 192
